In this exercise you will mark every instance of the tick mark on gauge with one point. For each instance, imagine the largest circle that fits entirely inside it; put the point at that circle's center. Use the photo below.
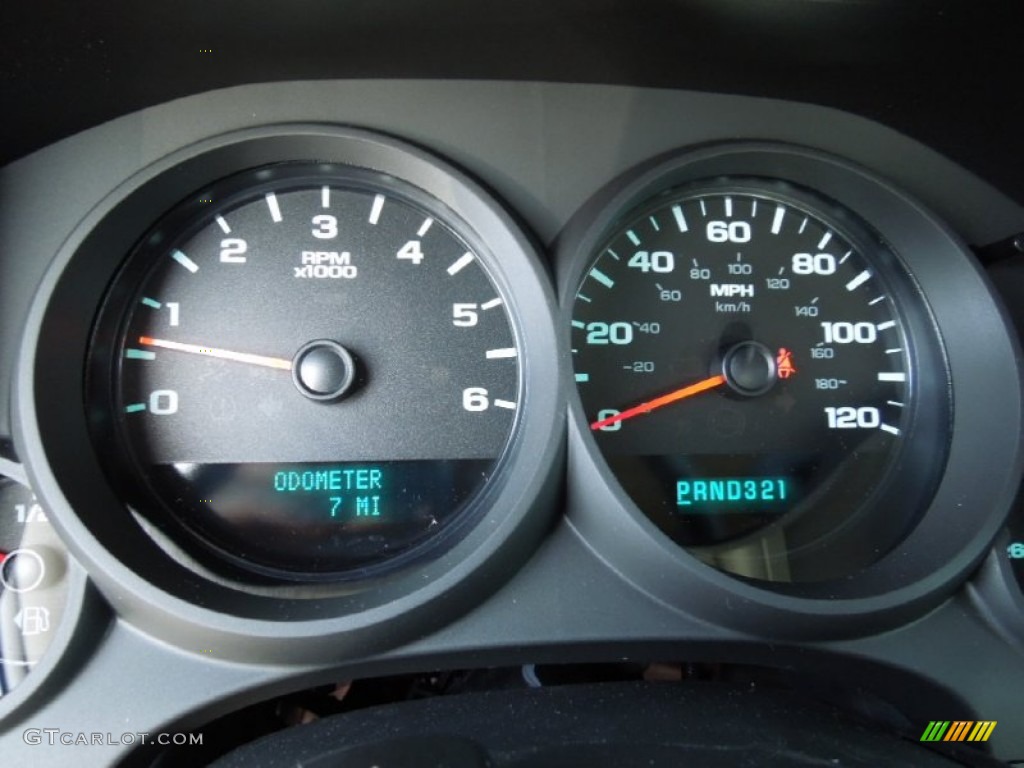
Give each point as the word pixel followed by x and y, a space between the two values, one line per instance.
pixel 886 325
pixel 581 297
pixel 602 278
pixel 859 280
pixel 500 354
pixel 892 376
pixel 780 214
pixel 491 304
pixel 633 237
pixel 654 223
pixel 375 211
pixel 703 209
pixel 728 207
pixel 824 241
pixel 139 354
pixel 152 303
pixel 753 208
pixel 223 225
pixel 895 403
pixel 890 430
pixel 677 212
pixel 424 227
pixel 803 226
pixel 894 351
pixel 582 378
pixel 507 404
pixel 185 261
pixel 325 197
pixel 845 257
pixel 578 324
pixel 461 263
pixel 275 209
pixel 135 408
pixel 613 254
pixel 876 301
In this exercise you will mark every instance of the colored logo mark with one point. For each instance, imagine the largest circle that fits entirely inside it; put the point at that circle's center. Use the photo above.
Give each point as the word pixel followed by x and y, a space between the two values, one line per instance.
pixel 958 730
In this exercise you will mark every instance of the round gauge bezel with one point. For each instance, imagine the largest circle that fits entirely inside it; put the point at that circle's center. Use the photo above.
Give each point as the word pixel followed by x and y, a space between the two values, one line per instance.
pixel 927 413
pixel 159 587
pixel 80 615
pixel 126 472
pixel 983 464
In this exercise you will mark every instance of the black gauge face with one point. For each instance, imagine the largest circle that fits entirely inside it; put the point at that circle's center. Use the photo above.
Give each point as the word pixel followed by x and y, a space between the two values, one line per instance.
pixel 745 370
pixel 33 587
pixel 313 371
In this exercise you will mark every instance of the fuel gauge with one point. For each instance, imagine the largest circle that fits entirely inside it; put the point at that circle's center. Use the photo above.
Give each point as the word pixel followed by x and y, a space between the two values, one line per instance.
pixel 33 582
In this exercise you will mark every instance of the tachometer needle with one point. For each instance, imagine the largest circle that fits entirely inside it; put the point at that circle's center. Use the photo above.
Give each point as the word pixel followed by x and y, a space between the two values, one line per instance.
pixel 658 402
pixel 223 354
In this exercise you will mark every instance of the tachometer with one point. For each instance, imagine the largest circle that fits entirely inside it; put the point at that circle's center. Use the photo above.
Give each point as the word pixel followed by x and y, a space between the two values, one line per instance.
pixel 744 364
pixel 310 368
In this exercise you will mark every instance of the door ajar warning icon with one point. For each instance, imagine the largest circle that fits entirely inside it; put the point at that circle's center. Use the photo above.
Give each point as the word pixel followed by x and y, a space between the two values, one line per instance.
pixel 958 730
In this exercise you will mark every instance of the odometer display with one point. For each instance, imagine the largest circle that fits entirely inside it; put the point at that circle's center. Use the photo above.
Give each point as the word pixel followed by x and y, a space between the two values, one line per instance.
pixel 744 367
pixel 308 368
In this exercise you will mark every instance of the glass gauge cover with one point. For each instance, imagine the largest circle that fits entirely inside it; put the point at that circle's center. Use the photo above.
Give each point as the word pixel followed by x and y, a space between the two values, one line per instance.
pixel 747 367
pixel 310 369
pixel 33 583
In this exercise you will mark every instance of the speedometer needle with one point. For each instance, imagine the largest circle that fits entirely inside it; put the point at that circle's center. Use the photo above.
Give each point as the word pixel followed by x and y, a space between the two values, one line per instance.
pixel 223 354
pixel 658 402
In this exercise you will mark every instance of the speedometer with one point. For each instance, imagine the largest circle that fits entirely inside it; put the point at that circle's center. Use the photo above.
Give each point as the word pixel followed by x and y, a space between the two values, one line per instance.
pixel 745 365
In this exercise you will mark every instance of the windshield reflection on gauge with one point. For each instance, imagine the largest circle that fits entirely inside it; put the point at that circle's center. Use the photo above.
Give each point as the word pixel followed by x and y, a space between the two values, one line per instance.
pixel 33 582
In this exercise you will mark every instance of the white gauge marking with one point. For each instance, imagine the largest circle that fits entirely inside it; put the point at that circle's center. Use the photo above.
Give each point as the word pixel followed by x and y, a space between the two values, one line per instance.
pixel 677 211
pixel 894 351
pixel 504 404
pixel 824 241
pixel 859 280
pixel 845 256
pixel 892 376
pixel 633 237
pixel 581 297
pixel 463 261
pixel 897 403
pixel 582 377
pixel 753 208
pixel 152 303
pixel 424 227
pixel 325 196
pixel 780 214
pixel 803 226
pixel 135 408
pixel 886 325
pixel 491 304
pixel 613 254
pixel 601 277
pixel 275 209
pixel 185 261
pixel 223 225
pixel 876 301
pixel 728 207
pixel 500 354
pixel 654 223
pixel 703 209
pixel 890 430
pixel 378 206
pixel 139 354
pixel 578 324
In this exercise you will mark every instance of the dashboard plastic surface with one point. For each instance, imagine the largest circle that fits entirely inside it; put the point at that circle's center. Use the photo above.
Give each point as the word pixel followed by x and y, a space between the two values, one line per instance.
pixel 545 150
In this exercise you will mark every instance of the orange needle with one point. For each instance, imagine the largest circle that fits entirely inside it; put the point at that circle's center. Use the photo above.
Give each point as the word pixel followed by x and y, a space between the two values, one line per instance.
pixel 658 402
pixel 223 354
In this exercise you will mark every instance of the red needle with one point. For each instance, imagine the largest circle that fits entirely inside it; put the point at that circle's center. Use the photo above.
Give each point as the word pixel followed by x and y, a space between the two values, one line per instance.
pixel 223 354
pixel 658 402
